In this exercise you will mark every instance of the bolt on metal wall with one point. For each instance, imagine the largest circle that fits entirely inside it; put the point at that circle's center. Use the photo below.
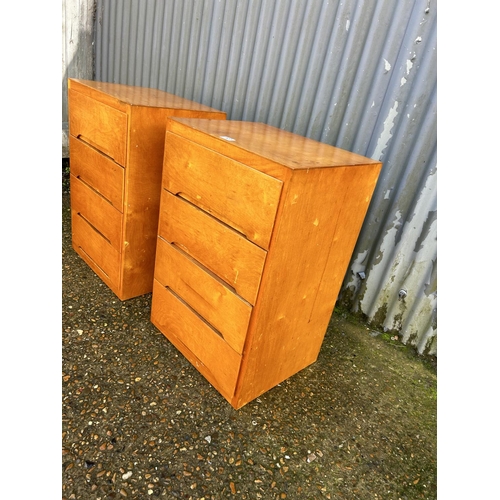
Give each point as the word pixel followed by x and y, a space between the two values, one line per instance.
pixel 360 75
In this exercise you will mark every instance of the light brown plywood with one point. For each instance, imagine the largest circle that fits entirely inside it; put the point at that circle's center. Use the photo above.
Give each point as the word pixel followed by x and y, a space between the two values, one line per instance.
pixel 219 362
pixel 98 125
pixel 104 175
pixel 322 215
pixel 240 196
pixel 96 250
pixel 316 218
pixel 97 211
pixel 226 311
pixel 265 145
pixel 117 139
pixel 237 261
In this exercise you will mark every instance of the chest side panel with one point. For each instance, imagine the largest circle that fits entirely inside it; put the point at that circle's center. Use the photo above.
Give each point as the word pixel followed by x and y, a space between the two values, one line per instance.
pixel 146 146
pixel 321 217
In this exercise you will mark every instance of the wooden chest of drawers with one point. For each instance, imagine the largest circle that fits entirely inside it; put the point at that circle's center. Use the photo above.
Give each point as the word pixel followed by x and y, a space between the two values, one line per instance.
pixel 256 230
pixel 117 135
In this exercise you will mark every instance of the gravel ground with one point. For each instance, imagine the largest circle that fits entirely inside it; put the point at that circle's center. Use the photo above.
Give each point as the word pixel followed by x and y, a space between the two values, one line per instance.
pixel 139 422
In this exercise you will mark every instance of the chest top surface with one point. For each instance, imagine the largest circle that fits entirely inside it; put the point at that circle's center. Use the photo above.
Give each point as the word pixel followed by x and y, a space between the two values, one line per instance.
pixel 286 148
pixel 139 96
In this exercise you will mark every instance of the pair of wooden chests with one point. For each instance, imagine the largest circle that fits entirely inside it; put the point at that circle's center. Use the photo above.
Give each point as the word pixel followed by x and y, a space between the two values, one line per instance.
pixel 241 231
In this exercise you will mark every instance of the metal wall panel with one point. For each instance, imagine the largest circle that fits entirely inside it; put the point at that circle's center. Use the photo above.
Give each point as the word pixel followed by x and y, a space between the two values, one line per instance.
pixel 77 51
pixel 357 74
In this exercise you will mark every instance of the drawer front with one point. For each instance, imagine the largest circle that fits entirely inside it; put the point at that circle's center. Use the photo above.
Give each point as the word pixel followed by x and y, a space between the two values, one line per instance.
pixel 240 196
pixel 185 329
pixel 96 251
pixel 228 313
pixel 97 211
pixel 216 246
pixel 99 125
pixel 97 170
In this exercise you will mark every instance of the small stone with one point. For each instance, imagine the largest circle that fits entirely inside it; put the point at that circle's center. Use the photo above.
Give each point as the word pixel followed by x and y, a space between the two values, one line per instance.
pixel 127 475
pixel 311 458
pixel 208 439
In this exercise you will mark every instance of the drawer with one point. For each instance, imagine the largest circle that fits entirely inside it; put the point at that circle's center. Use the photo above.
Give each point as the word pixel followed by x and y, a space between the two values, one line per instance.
pixel 97 124
pixel 97 211
pixel 95 250
pixel 240 196
pixel 227 312
pixel 225 252
pixel 97 170
pixel 185 329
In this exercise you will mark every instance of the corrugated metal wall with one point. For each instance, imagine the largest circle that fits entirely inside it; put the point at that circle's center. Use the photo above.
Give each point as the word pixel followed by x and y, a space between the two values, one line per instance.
pixel 356 74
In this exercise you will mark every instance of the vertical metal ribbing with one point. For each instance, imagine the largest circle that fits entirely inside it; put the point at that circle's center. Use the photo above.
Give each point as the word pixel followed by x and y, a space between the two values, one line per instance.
pixel 236 55
pixel 237 95
pixel 155 52
pixel 357 74
pixel 281 84
pixel 197 60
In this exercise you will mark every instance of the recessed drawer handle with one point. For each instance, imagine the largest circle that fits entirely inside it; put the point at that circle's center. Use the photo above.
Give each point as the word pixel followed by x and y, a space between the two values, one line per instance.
pixel 182 249
pixel 94 145
pixel 211 213
pixel 96 191
pixel 92 226
pixel 197 314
